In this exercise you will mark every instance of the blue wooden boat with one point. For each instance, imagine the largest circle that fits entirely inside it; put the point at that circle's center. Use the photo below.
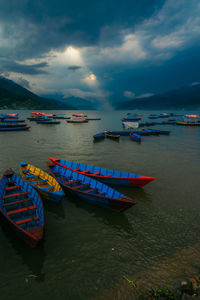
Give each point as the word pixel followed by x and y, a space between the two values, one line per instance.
pixel 110 135
pixel 121 132
pixel 11 125
pixel 44 183
pixel 22 208
pixel 60 116
pixel 151 131
pixel 135 137
pixel 90 189
pixel 131 119
pixel 164 132
pixel 48 122
pixel 12 128
pixel 107 176
pixel 142 132
pixel 153 116
pixel 12 121
pixel 99 136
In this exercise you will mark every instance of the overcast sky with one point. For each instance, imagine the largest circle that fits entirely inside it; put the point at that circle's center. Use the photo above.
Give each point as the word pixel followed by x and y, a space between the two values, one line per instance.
pixel 101 51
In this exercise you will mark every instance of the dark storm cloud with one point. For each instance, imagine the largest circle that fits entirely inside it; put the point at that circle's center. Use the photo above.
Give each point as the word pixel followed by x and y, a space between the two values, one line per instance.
pixel 35 27
pixel 74 68
pixel 11 66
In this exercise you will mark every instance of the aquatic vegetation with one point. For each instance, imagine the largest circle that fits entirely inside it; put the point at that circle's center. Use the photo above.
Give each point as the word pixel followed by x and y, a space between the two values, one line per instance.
pixel 156 293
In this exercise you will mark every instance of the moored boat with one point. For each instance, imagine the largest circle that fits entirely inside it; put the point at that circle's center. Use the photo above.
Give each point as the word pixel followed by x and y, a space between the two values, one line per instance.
pixel 110 135
pixel 90 189
pixel 13 128
pixel 93 119
pixel 22 207
pixel 44 183
pixel 190 120
pixel 107 176
pixel 135 137
pixel 99 136
pixel 77 120
pixel 48 122
pixel 12 121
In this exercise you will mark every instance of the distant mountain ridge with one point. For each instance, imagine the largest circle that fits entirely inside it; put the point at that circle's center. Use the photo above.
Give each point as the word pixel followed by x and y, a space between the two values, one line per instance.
pixel 186 97
pixel 14 96
pixel 77 102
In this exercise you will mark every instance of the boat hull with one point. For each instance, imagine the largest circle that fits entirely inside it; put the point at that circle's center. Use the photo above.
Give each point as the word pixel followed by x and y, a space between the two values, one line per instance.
pixel 21 208
pixel 55 196
pixel 110 177
pixel 95 194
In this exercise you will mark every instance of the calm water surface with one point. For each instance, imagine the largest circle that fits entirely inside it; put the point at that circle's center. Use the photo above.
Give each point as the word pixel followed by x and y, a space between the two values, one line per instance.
pixel 87 250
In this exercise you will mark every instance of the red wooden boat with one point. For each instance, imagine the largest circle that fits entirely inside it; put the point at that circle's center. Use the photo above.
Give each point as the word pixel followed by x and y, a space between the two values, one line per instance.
pixel 107 176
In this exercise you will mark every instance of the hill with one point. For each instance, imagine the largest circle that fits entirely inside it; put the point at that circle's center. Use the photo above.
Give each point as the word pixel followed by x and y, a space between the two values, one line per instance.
pixel 183 98
pixel 14 96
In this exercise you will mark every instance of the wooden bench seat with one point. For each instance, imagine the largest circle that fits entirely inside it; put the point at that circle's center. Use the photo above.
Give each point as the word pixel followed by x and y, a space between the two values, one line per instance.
pixel 62 178
pixel 42 180
pixel 30 176
pixel 17 202
pixel 15 195
pixel 80 186
pixel 12 187
pixel 91 190
pixel 16 211
pixel 72 181
pixel 27 220
pixel 47 187
pixel 100 194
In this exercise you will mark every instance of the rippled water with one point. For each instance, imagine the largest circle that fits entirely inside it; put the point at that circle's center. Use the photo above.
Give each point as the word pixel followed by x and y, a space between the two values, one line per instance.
pixel 87 250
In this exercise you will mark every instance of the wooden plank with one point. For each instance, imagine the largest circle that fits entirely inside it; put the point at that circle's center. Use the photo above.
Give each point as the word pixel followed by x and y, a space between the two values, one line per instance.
pixel 17 202
pixel 15 195
pixel 69 182
pixel 27 220
pixel 12 187
pixel 80 186
pixel 16 211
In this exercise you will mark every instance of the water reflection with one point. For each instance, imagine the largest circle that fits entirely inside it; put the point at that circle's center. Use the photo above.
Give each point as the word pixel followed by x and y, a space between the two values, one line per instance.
pixel 33 258
pixel 107 216
pixel 55 208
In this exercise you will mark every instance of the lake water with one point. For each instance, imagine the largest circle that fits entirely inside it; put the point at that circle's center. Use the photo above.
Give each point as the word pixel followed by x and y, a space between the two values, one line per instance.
pixel 86 249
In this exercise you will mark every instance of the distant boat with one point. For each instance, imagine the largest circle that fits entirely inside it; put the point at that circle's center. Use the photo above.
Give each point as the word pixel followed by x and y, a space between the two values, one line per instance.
pixel 99 136
pixel 110 135
pixel 77 120
pixel 22 207
pixel 13 120
pixel 89 189
pixel 154 116
pixel 135 137
pixel 93 119
pixel 44 183
pixel 107 176
pixel 79 115
pixel 131 119
pixel 190 120
pixel 48 121
pixel 14 128
pixel 60 116
pixel 151 131
pixel 129 125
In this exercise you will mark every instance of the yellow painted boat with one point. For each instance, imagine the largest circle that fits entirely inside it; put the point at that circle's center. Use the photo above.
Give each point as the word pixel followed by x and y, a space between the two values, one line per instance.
pixel 110 135
pixel 187 124
pixel 44 183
